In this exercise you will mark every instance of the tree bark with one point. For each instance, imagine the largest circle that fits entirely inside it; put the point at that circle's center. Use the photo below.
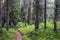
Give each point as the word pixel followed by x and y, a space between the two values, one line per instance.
pixel 0 16
pixel 36 15
pixel 29 13
pixel 55 17
pixel 45 15
pixel 7 14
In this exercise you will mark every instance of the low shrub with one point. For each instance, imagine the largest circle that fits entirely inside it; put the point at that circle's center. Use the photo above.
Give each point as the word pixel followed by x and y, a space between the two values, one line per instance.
pixel 7 34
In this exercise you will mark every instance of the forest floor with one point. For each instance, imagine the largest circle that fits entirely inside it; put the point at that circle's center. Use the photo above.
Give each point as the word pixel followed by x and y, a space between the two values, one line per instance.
pixel 22 32
pixel 18 35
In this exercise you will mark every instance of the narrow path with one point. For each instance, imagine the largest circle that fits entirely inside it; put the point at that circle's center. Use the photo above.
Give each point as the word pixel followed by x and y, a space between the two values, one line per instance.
pixel 18 35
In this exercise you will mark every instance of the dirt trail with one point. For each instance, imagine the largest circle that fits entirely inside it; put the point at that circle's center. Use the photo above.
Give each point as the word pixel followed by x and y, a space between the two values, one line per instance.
pixel 18 35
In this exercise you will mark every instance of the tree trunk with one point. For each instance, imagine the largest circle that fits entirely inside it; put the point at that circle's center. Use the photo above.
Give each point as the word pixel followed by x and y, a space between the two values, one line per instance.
pixel 29 13
pixel 45 15
pixel 0 16
pixel 36 14
pixel 24 12
pixel 7 14
pixel 55 17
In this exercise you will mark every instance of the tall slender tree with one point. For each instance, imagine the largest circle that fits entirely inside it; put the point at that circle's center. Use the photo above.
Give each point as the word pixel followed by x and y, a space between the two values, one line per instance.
pixel 0 16
pixel 24 6
pixel 29 12
pixel 36 7
pixel 7 11
pixel 55 16
pixel 45 15
pixel 7 14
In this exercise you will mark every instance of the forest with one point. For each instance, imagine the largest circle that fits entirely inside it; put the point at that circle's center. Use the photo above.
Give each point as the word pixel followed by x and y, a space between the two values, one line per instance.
pixel 29 19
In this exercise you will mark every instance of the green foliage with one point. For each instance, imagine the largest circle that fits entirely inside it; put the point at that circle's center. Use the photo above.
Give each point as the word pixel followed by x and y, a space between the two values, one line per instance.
pixel 7 34
pixel 20 24
pixel 58 24
pixel 27 29
pixel 42 34
pixel 50 24
pixel 48 34
pixel 26 37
